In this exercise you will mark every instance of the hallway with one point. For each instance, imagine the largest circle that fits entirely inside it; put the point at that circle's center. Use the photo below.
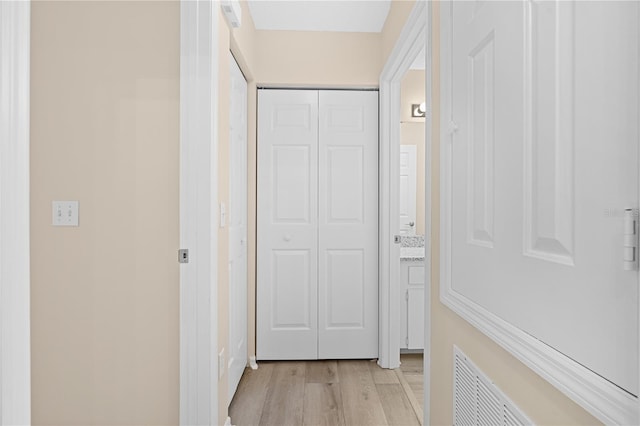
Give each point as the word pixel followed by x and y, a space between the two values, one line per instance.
pixel 344 392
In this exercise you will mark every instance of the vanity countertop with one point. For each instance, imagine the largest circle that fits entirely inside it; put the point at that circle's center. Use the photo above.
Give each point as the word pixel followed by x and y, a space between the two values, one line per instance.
pixel 412 248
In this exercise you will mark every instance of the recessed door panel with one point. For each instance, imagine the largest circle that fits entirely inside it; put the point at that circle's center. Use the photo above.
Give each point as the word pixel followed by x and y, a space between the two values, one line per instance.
pixel 291 295
pixel 291 184
pixel 345 289
pixel 345 184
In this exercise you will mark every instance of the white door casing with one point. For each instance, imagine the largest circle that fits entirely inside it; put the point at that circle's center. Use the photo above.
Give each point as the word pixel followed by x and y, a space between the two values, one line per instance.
pixel 348 224
pixel 408 162
pixel 287 224
pixel 541 159
pixel 317 224
pixel 237 227
pixel 198 212
pixel 15 349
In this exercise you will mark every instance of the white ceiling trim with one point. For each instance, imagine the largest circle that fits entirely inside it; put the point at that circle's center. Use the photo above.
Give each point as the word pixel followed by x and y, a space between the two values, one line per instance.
pixel 320 15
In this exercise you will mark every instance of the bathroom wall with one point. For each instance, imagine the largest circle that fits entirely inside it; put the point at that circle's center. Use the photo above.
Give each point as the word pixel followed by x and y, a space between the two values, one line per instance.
pixel 412 133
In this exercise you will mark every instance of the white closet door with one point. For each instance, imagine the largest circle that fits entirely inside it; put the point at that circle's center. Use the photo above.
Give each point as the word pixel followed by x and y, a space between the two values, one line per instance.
pixel 287 244
pixel 348 225
pixel 237 228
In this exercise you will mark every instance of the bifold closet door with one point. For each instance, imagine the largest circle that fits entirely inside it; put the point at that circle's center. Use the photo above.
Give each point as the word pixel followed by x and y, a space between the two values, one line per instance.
pixel 317 245
pixel 348 225
pixel 287 243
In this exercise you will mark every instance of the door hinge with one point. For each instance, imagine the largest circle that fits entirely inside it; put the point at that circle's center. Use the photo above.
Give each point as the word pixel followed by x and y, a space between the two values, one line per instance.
pixel 630 240
pixel 406 295
pixel 397 239
pixel 406 341
pixel 183 256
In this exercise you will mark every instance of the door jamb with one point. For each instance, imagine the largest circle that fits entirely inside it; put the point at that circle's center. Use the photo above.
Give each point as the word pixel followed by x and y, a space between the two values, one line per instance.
pixel 15 346
pixel 198 211
pixel 411 40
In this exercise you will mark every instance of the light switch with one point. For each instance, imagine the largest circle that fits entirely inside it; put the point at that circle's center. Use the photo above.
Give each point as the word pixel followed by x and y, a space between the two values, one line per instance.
pixel 65 213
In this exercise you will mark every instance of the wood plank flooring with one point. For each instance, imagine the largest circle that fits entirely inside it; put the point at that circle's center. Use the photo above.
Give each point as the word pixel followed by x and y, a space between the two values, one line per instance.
pixel 344 392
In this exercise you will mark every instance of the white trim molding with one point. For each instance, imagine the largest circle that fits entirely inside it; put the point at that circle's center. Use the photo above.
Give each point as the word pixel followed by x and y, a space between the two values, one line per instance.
pixel 602 399
pixel 410 42
pixel 15 355
pixel 198 212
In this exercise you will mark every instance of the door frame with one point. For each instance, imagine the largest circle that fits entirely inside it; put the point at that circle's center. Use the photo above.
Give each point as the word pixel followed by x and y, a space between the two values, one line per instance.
pixel 15 337
pixel 199 211
pixel 410 42
pixel 412 39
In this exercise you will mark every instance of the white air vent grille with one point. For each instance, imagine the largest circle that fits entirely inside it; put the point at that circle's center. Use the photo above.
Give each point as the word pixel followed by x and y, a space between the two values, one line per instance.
pixel 477 401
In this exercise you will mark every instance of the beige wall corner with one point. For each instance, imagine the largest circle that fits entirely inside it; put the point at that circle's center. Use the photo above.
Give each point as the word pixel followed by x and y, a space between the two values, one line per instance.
pixel 398 14
pixel 105 132
pixel 542 402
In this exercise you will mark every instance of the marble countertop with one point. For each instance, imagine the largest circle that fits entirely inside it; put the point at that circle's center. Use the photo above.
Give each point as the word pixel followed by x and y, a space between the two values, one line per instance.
pixel 412 248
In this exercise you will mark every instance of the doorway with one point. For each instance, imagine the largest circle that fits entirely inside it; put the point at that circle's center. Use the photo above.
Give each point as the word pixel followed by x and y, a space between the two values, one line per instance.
pixel 317 285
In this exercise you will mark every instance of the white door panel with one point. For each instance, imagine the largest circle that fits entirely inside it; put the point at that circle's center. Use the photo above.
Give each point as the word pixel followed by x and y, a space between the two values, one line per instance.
pixel 317 224
pixel 348 225
pixel 408 163
pixel 237 228
pixel 287 245
pixel 544 161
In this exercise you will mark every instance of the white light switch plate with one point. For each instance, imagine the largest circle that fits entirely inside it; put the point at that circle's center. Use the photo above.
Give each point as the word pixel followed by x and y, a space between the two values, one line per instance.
pixel 65 213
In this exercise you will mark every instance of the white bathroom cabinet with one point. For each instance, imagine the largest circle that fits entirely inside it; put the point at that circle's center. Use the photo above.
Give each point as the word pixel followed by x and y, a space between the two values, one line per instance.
pixel 412 304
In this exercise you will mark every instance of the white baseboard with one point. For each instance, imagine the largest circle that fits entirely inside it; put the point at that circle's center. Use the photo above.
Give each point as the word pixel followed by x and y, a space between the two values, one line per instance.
pixel 228 422
pixel 253 363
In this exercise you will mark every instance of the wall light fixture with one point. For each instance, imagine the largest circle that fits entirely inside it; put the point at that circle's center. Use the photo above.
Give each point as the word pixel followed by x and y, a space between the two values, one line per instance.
pixel 418 110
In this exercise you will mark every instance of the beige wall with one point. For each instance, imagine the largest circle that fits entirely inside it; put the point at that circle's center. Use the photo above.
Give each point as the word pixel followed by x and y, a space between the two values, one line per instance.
pixel 398 14
pixel 105 131
pixel 412 133
pixel 542 402
pixel 317 59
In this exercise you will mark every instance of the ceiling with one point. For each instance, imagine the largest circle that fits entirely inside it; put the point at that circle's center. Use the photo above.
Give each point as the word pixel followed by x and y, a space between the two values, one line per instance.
pixel 320 15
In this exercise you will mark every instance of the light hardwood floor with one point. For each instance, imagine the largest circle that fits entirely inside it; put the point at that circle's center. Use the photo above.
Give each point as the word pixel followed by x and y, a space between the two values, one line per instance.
pixel 345 392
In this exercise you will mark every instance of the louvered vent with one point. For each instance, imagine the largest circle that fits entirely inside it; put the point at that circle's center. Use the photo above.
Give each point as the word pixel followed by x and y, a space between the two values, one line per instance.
pixel 477 401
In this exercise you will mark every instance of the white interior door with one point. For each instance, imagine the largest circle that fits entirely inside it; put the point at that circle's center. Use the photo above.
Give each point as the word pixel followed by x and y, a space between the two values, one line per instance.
pixel 287 244
pixel 348 225
pixel 317 224
pixel 408 192
pixel 237 228
pixel 544 161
